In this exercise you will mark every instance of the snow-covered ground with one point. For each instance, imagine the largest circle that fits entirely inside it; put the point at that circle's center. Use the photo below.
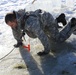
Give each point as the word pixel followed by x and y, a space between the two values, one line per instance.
pixel 6 37
pixel 54 6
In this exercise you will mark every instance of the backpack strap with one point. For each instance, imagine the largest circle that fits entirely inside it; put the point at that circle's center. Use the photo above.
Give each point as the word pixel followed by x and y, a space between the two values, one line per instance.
pixel 24 18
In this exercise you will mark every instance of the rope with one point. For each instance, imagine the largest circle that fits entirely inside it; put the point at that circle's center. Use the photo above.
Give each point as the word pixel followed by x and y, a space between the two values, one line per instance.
pixel 7 54
pixel 11 50
pixel 33 1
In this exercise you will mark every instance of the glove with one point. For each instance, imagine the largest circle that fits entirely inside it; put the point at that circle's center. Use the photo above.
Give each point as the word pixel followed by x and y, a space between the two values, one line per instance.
pixel 18 44
pixel 23 34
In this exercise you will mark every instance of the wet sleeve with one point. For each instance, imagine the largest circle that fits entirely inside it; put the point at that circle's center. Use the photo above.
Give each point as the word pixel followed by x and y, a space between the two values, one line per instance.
pixel 17 33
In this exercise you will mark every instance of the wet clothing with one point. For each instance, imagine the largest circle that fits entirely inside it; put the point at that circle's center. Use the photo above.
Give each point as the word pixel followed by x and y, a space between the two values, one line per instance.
pixel 42 25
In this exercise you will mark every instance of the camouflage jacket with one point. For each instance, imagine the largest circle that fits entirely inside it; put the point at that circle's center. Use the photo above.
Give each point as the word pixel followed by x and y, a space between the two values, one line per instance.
pixel 41 25
pixel 33 26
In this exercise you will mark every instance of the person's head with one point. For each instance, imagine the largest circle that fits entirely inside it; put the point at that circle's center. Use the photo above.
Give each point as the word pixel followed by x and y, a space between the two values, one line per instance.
pixel 10 19
pixel 61 18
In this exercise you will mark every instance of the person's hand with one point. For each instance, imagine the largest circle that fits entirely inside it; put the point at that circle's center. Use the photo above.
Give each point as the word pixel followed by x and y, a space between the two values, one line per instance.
pixel 23 34
pixel 18 44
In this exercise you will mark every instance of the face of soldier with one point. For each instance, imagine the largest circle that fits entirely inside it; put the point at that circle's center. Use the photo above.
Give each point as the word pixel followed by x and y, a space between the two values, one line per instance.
pixel 12 24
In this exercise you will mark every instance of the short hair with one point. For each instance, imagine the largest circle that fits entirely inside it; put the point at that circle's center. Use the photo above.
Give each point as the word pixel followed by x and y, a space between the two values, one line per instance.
pixel 10 17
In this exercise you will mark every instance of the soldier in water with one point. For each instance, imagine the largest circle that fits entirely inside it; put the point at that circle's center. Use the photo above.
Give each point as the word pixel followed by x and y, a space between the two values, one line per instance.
pixel 40 24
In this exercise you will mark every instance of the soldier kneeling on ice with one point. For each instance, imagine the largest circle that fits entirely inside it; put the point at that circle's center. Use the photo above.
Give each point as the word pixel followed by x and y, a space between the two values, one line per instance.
pixel 39 24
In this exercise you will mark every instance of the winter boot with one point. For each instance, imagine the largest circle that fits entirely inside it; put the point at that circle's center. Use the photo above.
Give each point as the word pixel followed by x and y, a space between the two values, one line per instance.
pixel 61 18
pixel 73 22
pixel 73 25
pixel 42 53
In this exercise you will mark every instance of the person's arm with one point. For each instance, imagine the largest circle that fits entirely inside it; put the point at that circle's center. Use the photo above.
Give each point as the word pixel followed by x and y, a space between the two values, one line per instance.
pixel 17 33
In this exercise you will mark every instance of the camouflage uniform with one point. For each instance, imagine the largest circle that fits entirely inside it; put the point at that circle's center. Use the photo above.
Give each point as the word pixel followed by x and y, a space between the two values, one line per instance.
pixel 43 26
